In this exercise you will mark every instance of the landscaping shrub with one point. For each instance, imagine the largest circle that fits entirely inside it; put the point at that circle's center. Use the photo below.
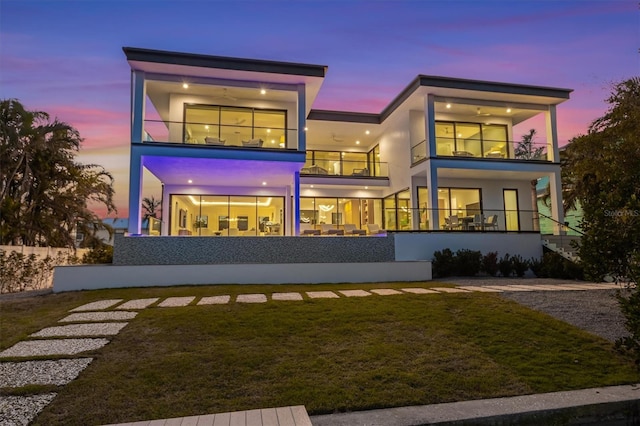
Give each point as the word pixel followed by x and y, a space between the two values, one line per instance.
pixel 505 265
pixel 553 265
pixel 468 262
pixel 443 263
pixel 100 254
pixel 490 263
pixel 519 265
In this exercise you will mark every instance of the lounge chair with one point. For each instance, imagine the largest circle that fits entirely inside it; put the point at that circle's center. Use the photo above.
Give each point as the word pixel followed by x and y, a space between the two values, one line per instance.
pixel 374 229
pixel 492 222
pixel 351 229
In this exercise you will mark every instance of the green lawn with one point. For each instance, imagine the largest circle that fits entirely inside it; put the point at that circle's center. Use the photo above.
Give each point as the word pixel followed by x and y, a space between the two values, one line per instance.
pixel 329 355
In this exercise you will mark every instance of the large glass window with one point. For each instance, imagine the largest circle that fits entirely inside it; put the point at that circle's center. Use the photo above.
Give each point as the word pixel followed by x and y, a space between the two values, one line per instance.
pixel 339 211
pixel 471 140
pixel 226 215
pixel 463 203
pixel 344 163
pixel 397 211
pixel 230 126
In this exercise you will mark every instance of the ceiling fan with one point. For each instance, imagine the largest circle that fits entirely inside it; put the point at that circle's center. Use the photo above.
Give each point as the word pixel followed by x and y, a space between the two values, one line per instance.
pixel 226 95
pixel 479 113
pixel 335 138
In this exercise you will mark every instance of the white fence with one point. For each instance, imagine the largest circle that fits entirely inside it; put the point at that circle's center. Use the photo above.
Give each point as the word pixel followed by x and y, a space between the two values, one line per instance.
pixel 16 276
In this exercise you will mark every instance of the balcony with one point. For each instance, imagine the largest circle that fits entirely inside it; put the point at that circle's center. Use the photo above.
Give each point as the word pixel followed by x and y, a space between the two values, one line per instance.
pixel 481 149
pixel 215 135
pixel 339 166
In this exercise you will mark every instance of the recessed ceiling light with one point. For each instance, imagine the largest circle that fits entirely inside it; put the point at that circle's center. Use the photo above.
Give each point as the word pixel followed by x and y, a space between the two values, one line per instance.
pixel 263 92
pixel 448 106
pixel 264 183
pixel 190 181
pixel 206 126
pixel 357 142
pixel 367 132
pixel 268 130
pixel 310 186
pixel 508 109
pixel 366 187
pixel 273 141
pixel 185 86
pixel 306 128
pixel 459 135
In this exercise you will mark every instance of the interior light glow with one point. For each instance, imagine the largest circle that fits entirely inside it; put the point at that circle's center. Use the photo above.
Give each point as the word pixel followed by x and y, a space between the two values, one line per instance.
pixel 264 183
pixel 263 92
pixel 366 187
pixel 306 128
pixel 195 202
pixel 326 208
pixel 185 86
pixel 190 181
pixel 268 130
pixel 448 106
pixel 206 126
pixel 508 109
pixel 367 132
pixel 357 142
pixel 310 186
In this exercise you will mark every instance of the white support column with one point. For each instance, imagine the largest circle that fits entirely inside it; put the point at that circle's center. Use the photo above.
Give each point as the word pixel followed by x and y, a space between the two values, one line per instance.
pixel 430 125
pixel 552 134
pixel 166 211
pixel 138 94
pixel 557 210
pixel 432 193
pixel 415 207
pixel 302 118
pixel 288 205
pixel 135 192
pixel 296 203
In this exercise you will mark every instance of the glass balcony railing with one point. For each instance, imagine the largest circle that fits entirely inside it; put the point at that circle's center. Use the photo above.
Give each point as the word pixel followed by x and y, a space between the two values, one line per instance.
pixel 345 168
pixel 475 148
pixel 485 220
pixel 219 135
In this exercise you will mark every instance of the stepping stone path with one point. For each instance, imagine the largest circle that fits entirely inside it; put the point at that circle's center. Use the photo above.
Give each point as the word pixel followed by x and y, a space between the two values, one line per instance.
pixel 251 298
pixel 322 295
pixel 214 300
pixel 138 303
pixel 355 293
pixel 286 296
pixel 111 319
pixel 172 302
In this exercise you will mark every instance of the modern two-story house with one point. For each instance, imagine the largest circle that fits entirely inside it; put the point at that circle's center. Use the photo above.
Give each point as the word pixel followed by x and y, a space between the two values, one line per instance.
pixel 240 151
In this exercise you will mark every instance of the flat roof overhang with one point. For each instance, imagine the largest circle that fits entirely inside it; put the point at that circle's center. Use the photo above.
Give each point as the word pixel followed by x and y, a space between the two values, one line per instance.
pixel 221 167
pixel 161 62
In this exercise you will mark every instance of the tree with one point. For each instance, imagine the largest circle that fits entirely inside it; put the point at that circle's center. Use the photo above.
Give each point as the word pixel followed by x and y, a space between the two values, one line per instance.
pixel 526 150
pixel 603 170
pixel 150 206
pixel 44 192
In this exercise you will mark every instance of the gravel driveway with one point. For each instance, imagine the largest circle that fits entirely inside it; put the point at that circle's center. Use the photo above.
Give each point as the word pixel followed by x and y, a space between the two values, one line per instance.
pixel 595 311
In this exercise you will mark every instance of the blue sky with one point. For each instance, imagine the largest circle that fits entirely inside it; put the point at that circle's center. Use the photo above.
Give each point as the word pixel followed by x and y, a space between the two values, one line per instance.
pixel 65 57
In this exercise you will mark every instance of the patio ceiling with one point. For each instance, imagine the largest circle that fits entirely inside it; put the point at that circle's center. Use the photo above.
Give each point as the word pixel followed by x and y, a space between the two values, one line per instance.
pixel 221 172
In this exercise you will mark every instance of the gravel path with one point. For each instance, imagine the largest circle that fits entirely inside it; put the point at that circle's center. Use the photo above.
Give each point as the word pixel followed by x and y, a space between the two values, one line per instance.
pixel 596 311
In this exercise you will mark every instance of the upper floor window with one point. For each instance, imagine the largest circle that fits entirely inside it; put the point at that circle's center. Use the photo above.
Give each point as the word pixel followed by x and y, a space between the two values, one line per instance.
pixel 478 140
pixel 235 126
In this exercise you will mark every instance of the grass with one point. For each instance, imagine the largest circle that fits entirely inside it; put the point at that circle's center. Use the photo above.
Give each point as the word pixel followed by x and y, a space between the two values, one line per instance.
pixel 329 354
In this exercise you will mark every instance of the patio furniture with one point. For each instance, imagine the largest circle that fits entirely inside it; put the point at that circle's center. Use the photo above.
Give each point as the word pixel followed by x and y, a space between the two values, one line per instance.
pixel 453 222
pixel 314 170
pixel 477 222
pixel 360 172
pixel 252 143
pixel 214 141
pixel 492 222
pixel 374 229
pixel 326 227
pixel 462 154
pixel 350 229
pixel 308 229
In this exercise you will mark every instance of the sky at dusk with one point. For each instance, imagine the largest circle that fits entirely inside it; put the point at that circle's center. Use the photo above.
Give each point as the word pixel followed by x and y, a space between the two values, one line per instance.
pixel 65 57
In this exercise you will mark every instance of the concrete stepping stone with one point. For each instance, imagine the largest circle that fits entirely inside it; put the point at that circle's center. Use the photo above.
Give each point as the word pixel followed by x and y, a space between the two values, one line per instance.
pixel 510 287
pixel 60 372
pixel 96 306
pixel 31 348
pixel 138 303
pixel 92 329
pixel 99 316
pixel 251 298
pixel 286 296
pixel 418 290
pixel 449 290
pixel 21 410
pixel 173 302
pixel 355 293
pixel 385 291
pixel 214 300
pixel 322 295
pixel 480 289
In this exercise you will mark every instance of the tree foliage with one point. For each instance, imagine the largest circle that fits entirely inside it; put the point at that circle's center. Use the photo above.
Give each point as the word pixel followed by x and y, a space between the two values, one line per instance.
pixel 602 172
pixel 150 207
pixel 44 192
pixel 527 150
